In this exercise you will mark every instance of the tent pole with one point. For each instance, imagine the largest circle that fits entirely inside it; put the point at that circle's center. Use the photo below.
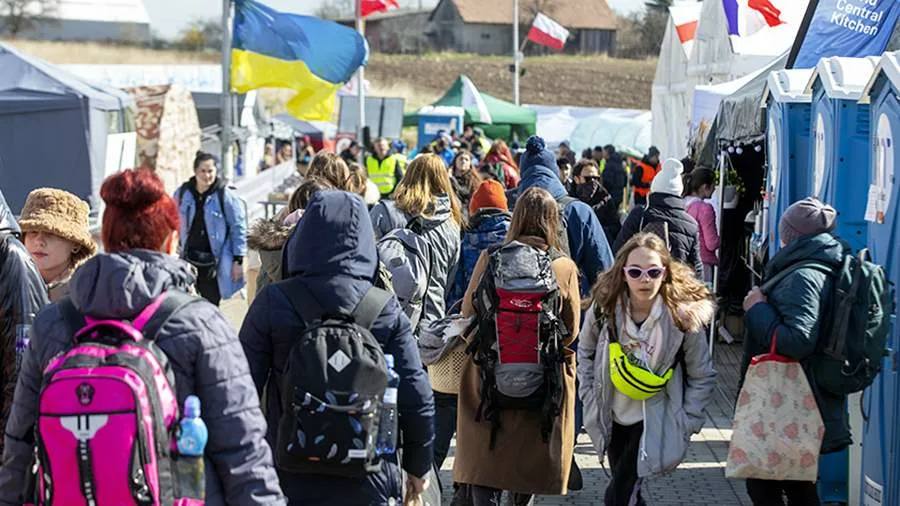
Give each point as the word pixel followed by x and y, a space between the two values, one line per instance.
pixel 226 113
pixel 360 88
pixel 720 203
pixel 516 52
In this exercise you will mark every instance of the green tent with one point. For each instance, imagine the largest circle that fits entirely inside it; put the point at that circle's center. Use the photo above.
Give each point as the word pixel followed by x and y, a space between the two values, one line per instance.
pixel 499 119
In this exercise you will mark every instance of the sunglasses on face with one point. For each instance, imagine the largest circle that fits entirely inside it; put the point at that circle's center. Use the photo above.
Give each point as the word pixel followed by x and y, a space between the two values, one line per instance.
pixel 638 273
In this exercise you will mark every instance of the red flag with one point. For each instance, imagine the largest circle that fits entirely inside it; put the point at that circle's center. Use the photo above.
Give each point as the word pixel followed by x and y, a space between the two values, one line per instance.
pixel 771 13
pixel 368 7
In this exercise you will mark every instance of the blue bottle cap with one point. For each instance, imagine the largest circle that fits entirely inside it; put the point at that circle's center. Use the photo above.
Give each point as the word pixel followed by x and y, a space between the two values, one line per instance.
pixel 192 406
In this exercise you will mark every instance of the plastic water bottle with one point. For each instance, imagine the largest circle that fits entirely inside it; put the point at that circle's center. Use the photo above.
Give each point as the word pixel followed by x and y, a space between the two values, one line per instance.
pixel 386 443
pixel 191 443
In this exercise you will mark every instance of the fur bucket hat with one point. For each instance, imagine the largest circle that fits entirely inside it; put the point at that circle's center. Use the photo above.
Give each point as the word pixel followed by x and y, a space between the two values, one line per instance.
pixel 62 214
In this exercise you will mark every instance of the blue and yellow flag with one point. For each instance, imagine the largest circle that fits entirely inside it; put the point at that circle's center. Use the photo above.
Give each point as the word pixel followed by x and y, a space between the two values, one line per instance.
pixel 304 53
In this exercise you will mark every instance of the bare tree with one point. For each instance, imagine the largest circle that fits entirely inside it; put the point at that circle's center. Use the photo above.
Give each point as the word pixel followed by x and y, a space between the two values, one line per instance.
pixel 17 16
pixel 336 9
pixel 201 34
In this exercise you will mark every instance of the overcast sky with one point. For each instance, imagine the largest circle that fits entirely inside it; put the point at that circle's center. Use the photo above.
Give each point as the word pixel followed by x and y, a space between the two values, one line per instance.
pixel 168 17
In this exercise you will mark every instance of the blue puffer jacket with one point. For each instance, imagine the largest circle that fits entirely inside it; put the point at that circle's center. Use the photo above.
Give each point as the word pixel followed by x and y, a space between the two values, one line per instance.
pixel 486 228
pixel 234 222
pixel 205 356
pixel 587 241
pixel 333 252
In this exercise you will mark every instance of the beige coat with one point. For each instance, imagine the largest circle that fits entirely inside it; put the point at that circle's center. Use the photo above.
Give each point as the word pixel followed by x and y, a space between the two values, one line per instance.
pixel 520 461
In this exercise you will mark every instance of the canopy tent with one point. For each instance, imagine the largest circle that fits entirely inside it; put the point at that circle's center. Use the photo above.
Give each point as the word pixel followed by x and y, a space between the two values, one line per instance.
pixel 627 129
pixel 739 118
pixel 671 95
pixel 499 119
pixel 55 128
pixel 720 53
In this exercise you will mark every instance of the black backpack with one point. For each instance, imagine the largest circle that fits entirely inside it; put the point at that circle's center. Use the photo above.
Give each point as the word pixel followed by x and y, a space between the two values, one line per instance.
pixel 332 388
pixel 855 329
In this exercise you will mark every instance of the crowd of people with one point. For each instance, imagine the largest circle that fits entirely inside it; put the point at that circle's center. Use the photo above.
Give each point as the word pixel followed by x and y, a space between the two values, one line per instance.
pixel 526 303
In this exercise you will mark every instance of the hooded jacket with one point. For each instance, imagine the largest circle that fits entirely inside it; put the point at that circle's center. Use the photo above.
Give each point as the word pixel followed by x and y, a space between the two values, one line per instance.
pixel 671 416
pixel 268 237
pixel 487 228
pixel 588 246
pixel 22 295
pixel 204 353
pixel 795 309
pixel 332 254
pixel 227 233
pixel 442 233
pixel 684 233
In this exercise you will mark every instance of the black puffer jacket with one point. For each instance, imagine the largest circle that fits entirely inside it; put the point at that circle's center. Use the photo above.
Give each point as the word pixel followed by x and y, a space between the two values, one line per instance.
pixel 684 233
pixel 22 295
pixel 204 353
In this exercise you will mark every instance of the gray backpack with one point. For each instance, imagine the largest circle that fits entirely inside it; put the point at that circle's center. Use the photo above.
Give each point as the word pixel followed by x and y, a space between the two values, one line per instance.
pixel 518 345
pixel 407 256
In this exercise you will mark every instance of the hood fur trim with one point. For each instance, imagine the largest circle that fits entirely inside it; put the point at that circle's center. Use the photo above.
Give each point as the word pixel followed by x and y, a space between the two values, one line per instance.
pixel 268 235
pixel 696 314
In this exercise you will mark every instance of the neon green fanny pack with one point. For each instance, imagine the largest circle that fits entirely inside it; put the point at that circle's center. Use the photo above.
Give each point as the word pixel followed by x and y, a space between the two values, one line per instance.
pixel 631 380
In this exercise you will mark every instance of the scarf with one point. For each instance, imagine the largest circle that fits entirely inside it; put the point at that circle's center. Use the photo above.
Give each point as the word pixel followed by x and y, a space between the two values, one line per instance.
pixel 642 344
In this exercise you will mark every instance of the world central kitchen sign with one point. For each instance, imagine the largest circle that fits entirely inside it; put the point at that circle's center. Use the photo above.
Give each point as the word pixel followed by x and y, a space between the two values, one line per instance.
pixel 855 28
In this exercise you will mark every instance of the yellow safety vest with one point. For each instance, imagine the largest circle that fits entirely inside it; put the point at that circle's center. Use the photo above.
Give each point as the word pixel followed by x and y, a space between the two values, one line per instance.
pixel 383 174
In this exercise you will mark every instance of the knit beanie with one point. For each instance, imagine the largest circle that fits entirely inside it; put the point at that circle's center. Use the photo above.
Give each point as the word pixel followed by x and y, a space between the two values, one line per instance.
pixel 490 194
pixel 806 217
pixel 669 178
pixel 62 214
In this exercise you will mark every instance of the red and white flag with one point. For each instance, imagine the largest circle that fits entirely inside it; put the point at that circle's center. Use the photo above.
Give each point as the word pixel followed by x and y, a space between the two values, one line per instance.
pixel 368 7
pixel 547 32
pixel 685 17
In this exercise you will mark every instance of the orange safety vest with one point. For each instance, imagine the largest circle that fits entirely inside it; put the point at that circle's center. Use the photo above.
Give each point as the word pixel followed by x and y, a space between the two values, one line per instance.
pixel 648 172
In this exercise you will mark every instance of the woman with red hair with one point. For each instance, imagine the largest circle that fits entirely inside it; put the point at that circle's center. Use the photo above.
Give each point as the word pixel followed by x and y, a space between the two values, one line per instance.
pixel 500 162
pixel 140 237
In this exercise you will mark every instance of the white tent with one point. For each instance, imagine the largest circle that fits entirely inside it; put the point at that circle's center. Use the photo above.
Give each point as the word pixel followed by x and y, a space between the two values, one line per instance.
pixel 671 98
pixel 718 57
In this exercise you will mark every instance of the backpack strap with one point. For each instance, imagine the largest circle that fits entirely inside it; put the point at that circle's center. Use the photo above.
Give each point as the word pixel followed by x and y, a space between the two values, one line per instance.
pixel 149 321
pixel 310 309
pixel 806 264
pixel 370 307
pixel 171 303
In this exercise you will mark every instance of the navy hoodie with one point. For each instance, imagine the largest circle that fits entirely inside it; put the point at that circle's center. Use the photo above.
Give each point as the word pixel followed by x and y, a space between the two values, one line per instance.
pixel 587 241
pixel 332 251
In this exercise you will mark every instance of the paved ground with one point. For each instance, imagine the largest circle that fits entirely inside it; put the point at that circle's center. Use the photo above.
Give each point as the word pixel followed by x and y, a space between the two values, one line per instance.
pixel 700 481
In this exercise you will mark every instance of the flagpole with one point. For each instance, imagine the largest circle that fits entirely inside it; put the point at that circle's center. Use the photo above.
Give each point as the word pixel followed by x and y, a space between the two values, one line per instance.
pixel 226 162
pixel 515 48
pixel 360 88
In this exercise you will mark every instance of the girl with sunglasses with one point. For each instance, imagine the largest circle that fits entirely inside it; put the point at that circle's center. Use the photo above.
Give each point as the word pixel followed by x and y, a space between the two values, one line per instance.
pixel 643 364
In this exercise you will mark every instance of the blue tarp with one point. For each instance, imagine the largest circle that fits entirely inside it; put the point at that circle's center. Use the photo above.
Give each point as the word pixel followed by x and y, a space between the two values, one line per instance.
pixel 53 128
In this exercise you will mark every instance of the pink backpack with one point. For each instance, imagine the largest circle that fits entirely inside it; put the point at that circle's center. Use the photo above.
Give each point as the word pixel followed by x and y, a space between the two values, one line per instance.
pixel 108 413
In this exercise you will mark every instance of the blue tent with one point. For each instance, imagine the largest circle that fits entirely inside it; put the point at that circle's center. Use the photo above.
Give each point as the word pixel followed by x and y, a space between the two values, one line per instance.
pixel 881 436
pixel 839 156
pixel 787 115
pixel 54 128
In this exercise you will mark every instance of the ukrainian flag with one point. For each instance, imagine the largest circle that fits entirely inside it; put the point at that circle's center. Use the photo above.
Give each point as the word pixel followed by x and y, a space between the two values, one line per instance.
pixel 272 49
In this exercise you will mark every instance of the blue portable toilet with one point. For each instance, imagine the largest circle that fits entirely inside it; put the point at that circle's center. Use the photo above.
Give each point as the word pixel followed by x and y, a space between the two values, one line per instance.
pixel 839 155
pixel 787 105
pixel 880 481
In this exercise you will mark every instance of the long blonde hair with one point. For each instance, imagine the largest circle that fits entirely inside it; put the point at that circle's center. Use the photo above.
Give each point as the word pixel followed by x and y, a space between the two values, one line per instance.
pixel 680 285
pixel 536 214
pixel 426 178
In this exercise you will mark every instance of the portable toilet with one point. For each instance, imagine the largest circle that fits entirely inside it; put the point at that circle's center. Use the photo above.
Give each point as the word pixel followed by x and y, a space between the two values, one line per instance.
pixel 787 105
pixel 880 480
pixel 839 156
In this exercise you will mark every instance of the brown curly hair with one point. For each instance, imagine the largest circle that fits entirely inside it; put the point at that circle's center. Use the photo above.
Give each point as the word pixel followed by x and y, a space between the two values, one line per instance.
pixel 680 285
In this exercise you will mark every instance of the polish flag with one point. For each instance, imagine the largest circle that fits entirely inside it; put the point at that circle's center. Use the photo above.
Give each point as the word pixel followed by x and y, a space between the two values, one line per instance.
pixel 368 7
pixel 547 32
